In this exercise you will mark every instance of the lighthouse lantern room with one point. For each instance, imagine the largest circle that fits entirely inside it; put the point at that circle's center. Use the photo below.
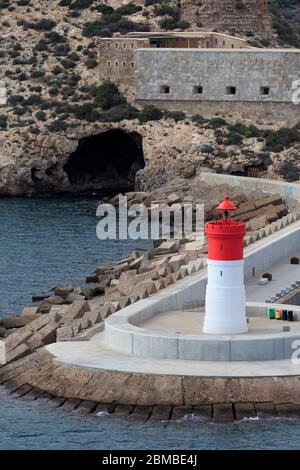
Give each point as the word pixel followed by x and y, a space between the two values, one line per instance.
pixel 225 309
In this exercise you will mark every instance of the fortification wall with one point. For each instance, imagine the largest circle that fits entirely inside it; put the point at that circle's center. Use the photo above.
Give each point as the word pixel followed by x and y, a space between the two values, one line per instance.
pixel 248 81
pixel 116 55
pixel 116 59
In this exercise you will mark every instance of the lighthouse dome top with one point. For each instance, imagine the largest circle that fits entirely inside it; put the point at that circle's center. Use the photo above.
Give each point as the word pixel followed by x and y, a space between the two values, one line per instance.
pixel 226 205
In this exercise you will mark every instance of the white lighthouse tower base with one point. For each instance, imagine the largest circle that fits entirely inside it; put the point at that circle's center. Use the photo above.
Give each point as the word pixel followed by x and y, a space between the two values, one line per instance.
pixel 225 312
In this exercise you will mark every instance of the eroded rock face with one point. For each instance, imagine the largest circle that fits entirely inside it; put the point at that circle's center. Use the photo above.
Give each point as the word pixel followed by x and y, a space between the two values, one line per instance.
pixel 93 158
pixel 103 157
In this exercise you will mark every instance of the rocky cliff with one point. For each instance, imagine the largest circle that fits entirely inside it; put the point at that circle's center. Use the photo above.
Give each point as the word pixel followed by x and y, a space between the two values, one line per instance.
pixel 49 61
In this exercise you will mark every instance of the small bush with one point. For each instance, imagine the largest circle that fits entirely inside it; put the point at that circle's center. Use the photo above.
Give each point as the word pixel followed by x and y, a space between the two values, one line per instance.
pixel 176 115
pixel 281 139
pixel 216 123
pixel 86 112
pixel 246 131
pixel 40 116
pixel 105 9
pixel 62 50
pixel 3 122
pixel 170 23
pixel 33 100
pixel 23 3
pixel 54 37
pixel 68 64
pixel 57 70
pixel 42 25
pixel 167 10
pixel 13 100
pixel 150 113
pixel 129 9
pixel 91 63
pixel 233 138
pixel 106 96
pixel 57 126
pixel 199 119
pixel 80 4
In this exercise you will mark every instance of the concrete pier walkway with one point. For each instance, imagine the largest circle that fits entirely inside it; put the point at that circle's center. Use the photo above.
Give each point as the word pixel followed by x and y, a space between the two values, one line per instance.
pixel 94 354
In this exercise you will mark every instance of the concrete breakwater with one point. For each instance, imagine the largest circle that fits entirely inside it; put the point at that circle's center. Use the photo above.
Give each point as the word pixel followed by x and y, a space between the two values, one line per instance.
pixel 79 313
pixel 84 391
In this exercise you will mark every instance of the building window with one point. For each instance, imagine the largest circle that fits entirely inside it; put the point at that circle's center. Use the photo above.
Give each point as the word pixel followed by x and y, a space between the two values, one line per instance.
pixel 117 45
pixel 124 45
pixel 165 89
pixel 116 64
pixel 232 46
pixel 124 64
pixel 108 45
pixel 231 90
pixel 216 41
pixel 132 46
pixel 265 90
pixel 132 64
pixel 108 63
pixel 198 90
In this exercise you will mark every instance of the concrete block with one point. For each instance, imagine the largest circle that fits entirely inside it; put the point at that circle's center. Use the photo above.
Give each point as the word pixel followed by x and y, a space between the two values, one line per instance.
pixel 65 333
pixel 94 316
pixel 123 410
pixel 288 410
pixel 161 413
pixel 140 413
pixel 244 411
pixel 184 271
pixel 136 264
pixel 176 262
pixel 29 310
pixel 18 321
pixel 201 350
pixel 124 302
pixel 120 268
pixel 2 353
pixel 181 412
pixel 20 351
pixel 104 409
pixel 155 346
pixel 223 413
pixel 252 350
pixel 278 349
pixel 76 310
pixel 257 223
pixel 121 339
pixel 15 339
pixel 288 347
pixel 85 408
pixel 173 199
pixel 265 410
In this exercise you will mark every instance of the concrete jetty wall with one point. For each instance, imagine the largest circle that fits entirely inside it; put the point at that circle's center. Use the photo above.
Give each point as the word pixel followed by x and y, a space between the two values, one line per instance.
pixel 285 189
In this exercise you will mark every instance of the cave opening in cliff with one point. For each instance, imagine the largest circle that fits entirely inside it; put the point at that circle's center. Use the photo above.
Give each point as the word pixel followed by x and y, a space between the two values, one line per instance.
pixel 107 162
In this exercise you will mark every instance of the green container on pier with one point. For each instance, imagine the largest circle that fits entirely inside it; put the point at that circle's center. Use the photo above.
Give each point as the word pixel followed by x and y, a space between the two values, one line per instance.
pixel 272 313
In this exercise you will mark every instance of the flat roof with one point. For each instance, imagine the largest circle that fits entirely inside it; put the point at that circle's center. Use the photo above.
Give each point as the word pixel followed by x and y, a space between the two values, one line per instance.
pixel 201 50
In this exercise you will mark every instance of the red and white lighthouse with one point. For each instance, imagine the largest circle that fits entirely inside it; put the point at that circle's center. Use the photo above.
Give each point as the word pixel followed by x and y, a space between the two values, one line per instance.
pixel 225 311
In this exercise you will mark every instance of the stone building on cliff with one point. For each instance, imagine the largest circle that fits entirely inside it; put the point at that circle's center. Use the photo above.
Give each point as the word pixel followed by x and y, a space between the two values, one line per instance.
pixel 203 73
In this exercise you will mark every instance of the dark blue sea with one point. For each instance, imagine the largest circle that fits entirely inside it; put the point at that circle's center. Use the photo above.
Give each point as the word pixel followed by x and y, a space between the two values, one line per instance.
pixel 48 241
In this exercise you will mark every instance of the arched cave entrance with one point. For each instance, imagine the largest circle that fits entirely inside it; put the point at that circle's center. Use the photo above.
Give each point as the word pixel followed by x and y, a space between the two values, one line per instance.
pixel 106 162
